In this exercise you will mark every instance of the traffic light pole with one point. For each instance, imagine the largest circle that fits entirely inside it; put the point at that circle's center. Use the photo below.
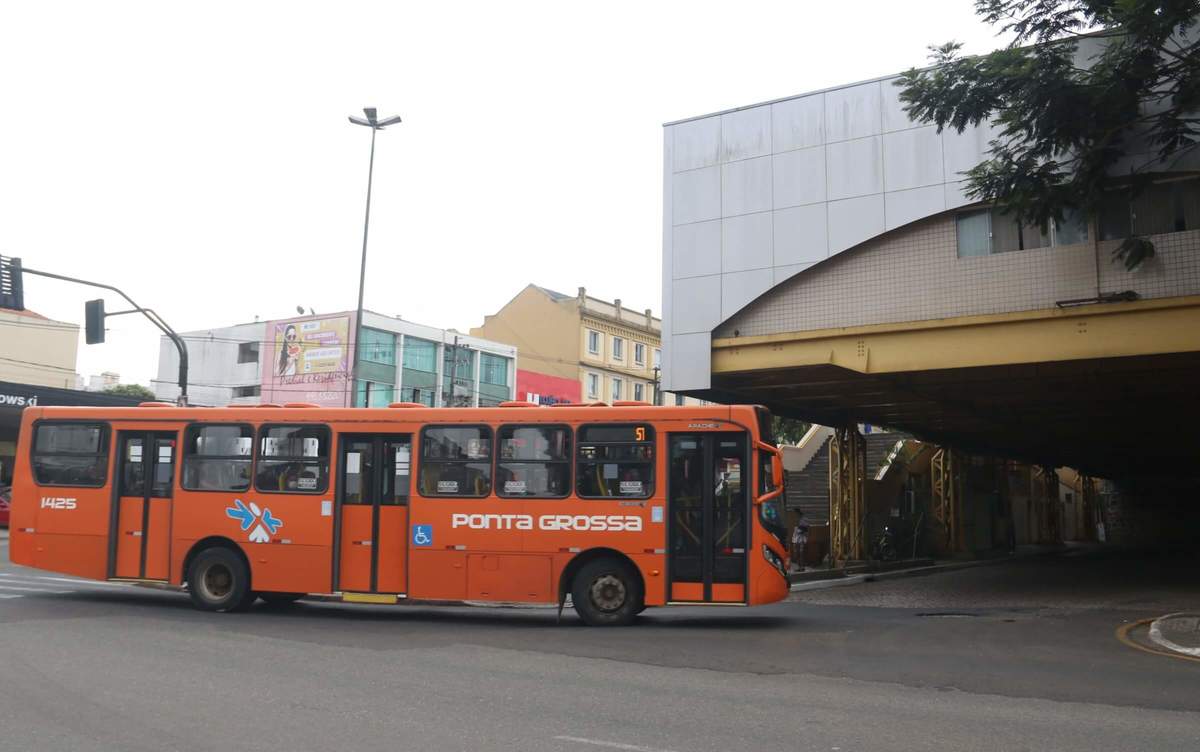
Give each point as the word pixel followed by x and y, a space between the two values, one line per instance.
pixel 147 312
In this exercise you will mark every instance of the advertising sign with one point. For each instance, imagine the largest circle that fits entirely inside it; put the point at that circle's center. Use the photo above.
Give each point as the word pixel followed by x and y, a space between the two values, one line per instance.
pixel 308 360
pixel 542 389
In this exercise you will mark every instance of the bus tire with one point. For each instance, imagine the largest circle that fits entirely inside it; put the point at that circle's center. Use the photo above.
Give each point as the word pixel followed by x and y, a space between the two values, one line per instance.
pixel 280 599
pixel 219 580
pixel 606 594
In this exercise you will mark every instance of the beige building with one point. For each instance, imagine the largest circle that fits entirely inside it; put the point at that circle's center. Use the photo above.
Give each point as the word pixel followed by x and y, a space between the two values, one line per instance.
pixel 37 350
pixel 610 351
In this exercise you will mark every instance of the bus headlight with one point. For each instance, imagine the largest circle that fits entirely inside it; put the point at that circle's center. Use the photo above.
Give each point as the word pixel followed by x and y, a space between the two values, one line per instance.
pixel 774 560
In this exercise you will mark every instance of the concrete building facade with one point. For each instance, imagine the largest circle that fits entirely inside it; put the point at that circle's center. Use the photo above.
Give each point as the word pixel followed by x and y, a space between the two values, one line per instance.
pixel 309 359
pixel 833 208
pixel 607 352
pixel 821 257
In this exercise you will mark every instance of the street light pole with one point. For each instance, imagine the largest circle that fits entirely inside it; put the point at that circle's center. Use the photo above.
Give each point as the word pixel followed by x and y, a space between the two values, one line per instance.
pixel 372 122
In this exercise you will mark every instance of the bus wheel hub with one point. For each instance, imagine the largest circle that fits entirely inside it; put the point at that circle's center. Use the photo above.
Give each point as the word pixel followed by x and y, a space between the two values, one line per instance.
pixel 608 593
pixel 217 581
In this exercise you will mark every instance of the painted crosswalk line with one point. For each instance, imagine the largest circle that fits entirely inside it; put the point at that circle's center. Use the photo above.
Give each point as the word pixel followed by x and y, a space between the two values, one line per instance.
pixel 18 585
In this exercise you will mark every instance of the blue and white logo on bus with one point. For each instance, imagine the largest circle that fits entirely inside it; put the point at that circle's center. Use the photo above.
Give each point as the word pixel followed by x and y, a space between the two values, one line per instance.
pixel 262 521
pixel 422 535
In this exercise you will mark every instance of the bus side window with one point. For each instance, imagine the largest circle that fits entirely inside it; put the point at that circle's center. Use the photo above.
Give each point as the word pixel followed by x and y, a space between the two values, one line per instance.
pixel 71 454
pixel 534 462
pixel 456 461
pixel 293 459
pixel 217 457
pixel 615 461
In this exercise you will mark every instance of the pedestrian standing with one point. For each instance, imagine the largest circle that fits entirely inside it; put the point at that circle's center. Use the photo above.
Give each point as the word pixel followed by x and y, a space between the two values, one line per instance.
pixel 799 540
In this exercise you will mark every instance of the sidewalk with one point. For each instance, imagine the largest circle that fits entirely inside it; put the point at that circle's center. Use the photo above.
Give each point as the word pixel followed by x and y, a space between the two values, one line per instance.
pixel 860 572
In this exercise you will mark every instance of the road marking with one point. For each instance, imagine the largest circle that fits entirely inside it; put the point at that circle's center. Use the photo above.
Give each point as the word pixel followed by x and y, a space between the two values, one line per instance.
pixel 1157 636
pixel 3 596
pixel 1123 636
pixel 610 745
pixel 71 580
pixel 33 589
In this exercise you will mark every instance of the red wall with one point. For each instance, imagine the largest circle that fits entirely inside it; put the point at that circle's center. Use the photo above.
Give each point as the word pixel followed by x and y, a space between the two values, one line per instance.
pixel 538 387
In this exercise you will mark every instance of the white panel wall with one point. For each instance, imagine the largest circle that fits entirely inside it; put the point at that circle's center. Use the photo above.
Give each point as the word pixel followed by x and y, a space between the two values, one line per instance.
pixel 754 196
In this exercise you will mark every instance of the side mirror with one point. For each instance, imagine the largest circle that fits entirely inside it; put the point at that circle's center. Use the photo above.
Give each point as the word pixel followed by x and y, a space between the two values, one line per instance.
pixel 777 469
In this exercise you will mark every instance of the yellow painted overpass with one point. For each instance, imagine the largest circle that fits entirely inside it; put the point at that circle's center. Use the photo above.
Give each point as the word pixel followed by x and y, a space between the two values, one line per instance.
pixel 1112 388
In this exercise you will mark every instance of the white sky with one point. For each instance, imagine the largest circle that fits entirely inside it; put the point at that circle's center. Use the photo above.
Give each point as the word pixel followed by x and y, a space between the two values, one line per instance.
pixel 200 158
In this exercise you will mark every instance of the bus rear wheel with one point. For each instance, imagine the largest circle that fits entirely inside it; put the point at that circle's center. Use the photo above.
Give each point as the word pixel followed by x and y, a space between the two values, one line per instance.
pixel 218 580
pixel 605 593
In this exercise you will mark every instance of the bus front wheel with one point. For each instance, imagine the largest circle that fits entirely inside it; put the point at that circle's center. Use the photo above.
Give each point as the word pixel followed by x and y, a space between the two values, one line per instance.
pixel 606 593
pixel 218 580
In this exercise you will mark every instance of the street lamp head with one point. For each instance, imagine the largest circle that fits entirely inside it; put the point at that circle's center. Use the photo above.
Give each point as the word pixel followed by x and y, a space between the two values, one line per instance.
pixel 372 120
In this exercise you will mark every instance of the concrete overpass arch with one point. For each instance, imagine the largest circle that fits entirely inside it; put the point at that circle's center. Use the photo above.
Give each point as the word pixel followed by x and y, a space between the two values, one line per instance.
pixel 820 257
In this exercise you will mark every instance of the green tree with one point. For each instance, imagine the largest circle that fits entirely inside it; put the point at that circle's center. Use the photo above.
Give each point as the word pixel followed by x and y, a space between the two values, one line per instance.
pixel 788 430
pixel 131 390
pixel 1071 122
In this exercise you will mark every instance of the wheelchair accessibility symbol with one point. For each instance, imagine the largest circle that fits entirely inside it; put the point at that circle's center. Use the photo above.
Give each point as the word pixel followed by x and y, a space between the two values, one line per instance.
pixel 422 535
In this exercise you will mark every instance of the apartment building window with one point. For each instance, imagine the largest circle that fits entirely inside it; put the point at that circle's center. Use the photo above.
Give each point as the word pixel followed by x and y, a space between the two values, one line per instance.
pixel 616 389
pixel 593 342
pixel 248 352
pixel 1161 208
pixel 493 379
pixel 657 358
pixel 639 353
pixel 639 392
pixel 618 348
pixel 593 386
pixel 989 231
pixel 679 400
pixel 378 347
pixel 419 371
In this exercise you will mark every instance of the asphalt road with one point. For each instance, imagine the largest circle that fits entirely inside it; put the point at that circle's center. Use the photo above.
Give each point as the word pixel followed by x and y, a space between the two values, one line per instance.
pixel 89 666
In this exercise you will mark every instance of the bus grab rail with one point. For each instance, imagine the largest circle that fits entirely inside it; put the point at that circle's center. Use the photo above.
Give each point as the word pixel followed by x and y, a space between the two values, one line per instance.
pixel 776 471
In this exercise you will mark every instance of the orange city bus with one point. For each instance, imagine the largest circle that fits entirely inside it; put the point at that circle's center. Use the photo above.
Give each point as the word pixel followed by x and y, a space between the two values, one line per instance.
pixel 621 507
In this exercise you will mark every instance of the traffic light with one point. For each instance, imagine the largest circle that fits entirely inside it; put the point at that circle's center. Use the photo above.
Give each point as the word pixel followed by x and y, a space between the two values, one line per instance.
pixel 11 295
pixel 93 315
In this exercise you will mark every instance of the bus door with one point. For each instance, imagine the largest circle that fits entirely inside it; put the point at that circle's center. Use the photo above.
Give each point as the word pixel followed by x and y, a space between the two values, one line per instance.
pixel 140 536
pixel 372 515
pixel 707 504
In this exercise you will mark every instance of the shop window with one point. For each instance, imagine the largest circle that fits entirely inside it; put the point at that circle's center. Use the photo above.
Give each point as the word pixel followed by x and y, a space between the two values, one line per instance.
pixel 456 461
pixel 534 462
pixel 615 461
pixel 71 454
pixel 293 459
pixel 217 457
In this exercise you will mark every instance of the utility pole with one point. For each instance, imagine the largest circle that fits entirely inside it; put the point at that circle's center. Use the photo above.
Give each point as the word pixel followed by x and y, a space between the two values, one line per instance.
pixel 657 386
pixel 372 121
